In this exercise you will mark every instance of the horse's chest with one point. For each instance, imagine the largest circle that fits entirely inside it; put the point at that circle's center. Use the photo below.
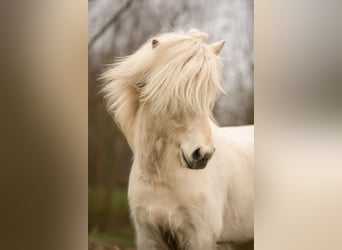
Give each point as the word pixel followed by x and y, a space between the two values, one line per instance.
pixel 180 206
pixel 160 207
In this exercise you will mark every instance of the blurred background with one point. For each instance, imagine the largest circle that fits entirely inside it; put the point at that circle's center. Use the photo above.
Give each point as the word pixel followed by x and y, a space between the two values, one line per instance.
pixel 118 28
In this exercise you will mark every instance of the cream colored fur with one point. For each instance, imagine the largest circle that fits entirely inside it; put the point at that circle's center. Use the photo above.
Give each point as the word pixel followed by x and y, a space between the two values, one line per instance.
pixel 162 97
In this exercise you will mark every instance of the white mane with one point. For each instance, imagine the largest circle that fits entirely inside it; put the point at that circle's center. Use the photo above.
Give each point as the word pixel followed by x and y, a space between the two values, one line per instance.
pixel 181 74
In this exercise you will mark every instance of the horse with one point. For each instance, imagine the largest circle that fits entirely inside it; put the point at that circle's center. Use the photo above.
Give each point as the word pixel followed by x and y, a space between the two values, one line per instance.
pixel 191 181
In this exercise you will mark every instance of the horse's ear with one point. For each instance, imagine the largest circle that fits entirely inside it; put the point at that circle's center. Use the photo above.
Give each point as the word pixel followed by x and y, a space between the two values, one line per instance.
pixel 155 42
pixel 217 47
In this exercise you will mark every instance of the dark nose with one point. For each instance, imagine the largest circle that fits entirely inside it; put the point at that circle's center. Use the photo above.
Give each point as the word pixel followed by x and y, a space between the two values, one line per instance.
pixel 201 156
pixel 203 153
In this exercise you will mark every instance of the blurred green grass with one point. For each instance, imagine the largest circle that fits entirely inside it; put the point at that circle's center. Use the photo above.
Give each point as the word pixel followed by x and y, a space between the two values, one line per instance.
pixel 110 238
pixel 108 215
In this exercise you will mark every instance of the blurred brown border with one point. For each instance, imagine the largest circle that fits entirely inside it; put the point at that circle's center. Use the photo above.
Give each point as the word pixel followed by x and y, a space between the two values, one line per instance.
pixel 43 176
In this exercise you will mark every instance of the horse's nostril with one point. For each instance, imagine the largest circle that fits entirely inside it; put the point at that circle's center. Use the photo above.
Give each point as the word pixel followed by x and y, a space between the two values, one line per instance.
pixel 202 154
pixel 196 155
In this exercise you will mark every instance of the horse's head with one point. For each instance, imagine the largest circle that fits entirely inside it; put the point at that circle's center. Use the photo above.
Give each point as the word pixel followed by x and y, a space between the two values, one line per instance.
pixel 195 142
pixel 174 80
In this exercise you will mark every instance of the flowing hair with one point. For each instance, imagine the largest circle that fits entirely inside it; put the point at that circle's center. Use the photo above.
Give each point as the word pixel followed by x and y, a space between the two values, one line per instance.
pixel 171 74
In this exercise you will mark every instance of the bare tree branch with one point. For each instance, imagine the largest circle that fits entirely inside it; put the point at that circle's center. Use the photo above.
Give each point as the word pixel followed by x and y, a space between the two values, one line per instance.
pixel 109 23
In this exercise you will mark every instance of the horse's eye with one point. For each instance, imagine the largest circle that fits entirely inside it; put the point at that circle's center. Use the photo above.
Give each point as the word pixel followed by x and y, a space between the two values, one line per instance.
pixel 141 84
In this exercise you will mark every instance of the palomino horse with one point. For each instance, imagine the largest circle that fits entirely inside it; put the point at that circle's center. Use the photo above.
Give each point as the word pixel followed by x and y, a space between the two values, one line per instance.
pixel 191 182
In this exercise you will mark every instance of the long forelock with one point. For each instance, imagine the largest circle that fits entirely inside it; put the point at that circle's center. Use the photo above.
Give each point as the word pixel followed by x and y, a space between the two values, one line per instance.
pixel 185 78
pixel 181 75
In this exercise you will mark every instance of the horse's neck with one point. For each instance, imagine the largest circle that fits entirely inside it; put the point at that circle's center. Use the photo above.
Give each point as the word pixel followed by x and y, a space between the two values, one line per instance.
pixel 150 144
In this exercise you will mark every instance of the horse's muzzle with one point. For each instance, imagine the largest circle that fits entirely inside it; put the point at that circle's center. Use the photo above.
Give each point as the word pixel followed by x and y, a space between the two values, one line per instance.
pixel 196 162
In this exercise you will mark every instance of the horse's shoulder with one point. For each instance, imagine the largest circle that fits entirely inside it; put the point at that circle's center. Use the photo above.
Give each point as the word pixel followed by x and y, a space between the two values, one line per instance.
pixel 237 132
